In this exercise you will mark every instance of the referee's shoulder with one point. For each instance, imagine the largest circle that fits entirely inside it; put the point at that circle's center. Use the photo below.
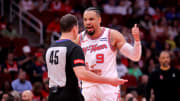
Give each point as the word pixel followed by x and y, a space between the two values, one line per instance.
pixel 75 45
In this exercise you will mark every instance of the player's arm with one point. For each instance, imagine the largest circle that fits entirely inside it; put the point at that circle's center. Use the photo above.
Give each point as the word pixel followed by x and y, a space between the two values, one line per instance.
pixel 86 75
pixel 132 52
pixel 78 64
pixel 96 71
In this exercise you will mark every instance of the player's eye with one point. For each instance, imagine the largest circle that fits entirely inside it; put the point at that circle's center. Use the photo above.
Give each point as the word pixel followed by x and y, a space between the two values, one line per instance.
pixel 91 19
pixel 85 19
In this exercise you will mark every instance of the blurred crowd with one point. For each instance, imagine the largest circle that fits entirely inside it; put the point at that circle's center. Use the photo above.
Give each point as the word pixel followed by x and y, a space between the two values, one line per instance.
pixel 22 68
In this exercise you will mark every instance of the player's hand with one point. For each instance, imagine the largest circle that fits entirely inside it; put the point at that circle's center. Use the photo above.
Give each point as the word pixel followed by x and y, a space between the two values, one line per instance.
pixel 92 69
pixel 136 33
pixel 115 82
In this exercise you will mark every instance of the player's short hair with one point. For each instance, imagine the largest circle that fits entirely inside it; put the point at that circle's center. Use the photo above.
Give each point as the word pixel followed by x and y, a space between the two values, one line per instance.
pixel 67 22
pixel 95 9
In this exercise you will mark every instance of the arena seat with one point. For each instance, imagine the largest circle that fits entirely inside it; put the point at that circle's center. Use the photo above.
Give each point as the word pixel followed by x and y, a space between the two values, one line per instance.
pixel 18 44
pixel 132 82
pixel 5 42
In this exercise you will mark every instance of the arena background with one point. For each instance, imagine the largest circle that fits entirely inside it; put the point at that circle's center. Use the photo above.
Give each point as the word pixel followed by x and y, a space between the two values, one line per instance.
pixel 27 27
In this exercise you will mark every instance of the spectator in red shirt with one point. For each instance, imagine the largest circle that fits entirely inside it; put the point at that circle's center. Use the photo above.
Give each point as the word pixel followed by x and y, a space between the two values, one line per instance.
pixel 11 66
pixel 53 26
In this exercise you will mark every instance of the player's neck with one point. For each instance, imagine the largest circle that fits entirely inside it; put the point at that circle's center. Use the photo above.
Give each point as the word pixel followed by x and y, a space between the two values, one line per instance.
pixel 165 68
pixel 97 33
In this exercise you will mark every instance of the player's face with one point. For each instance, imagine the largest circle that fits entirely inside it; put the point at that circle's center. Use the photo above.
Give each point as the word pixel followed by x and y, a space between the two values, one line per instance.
pixel 164 59
pixel 91 22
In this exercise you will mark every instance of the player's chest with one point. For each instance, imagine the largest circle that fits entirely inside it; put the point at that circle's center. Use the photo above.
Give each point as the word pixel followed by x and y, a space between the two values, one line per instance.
pixel 94 46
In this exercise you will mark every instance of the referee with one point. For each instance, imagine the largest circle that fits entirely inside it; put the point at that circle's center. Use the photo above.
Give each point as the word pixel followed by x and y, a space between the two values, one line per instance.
pixel 66 64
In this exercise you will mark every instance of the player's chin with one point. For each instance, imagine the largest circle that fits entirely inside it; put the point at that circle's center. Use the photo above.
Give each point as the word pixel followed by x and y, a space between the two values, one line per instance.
pixel 90 32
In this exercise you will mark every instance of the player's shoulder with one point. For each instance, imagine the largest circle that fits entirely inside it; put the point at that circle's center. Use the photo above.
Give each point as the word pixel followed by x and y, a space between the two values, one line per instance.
pixel 114 31
pixel 81 34
pixel 111 31
pixel 115 34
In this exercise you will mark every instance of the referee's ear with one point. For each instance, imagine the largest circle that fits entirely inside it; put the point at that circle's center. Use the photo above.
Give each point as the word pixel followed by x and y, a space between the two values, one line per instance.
pixel 75 31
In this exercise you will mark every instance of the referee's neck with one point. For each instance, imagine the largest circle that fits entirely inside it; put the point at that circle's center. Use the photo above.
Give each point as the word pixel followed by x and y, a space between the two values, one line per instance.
pixel 67 36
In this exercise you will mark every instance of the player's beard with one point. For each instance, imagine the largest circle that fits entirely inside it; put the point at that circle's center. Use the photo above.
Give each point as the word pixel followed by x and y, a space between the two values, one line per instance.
pixel 166 64
pixel 91 33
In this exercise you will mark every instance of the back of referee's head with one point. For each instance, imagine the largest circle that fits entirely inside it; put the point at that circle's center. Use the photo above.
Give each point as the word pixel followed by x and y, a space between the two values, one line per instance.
pixel 67 22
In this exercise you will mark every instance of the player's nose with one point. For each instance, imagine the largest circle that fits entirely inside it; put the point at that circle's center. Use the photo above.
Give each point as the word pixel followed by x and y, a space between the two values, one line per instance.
pixel 88 22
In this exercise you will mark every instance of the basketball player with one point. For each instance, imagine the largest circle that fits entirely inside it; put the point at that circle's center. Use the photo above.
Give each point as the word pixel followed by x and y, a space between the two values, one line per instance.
pixel 100 45
pixel 66 64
